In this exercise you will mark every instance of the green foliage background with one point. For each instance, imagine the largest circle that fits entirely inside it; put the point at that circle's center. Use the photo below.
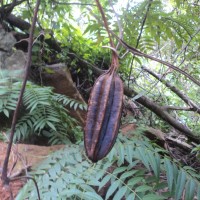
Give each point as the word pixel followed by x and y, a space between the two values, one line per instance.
pixel 136 168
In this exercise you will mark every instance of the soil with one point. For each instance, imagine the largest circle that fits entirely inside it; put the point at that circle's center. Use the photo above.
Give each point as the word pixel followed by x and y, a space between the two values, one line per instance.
pixel 23 157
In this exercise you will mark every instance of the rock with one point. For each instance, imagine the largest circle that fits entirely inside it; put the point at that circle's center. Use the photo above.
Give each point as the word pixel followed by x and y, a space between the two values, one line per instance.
pixel 7 40
pixel 15 64
pixel 12 61
pixel 59 77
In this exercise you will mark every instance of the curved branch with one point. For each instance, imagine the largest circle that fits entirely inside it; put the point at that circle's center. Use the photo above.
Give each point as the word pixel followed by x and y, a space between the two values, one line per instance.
pixel 166 117
pixel 18 22
pixel 184 97
pixel 139 53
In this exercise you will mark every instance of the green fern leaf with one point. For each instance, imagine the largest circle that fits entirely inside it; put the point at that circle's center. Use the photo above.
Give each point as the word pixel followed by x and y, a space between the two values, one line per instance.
pixel 90 196
pixel 169 173
pixel 143 188
pixel 120 193
pixel 190 190
pixel 112 188
pixel 134 181
pixel 128 174
pixel 104 181
pixel 180 185
pixel 198 193
pixel 154 160
pixel 152 197
pixel 119 170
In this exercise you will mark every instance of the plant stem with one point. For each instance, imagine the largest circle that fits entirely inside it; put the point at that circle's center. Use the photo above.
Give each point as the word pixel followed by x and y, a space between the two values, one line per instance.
pixel 4 176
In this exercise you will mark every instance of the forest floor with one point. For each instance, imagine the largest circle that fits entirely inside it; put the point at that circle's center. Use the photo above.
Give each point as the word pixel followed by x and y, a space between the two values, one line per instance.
pixel 23 157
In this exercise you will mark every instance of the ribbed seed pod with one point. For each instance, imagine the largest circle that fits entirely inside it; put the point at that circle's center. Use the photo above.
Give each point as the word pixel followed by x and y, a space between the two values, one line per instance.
pixel 103 116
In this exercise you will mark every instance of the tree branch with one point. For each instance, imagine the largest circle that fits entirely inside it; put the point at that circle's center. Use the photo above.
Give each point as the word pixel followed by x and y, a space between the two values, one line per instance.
pixel 18 22
pixel 74 3
pixel 8 8
pixel 184 97
pixel 139 53
pixel 176 108
pixel 4 176
pixel 166 117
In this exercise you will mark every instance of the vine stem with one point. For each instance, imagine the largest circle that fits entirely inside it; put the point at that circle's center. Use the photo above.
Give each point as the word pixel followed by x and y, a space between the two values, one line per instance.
pixel 4 176
pixel 138 39
pixel 34 181
pixel 115 61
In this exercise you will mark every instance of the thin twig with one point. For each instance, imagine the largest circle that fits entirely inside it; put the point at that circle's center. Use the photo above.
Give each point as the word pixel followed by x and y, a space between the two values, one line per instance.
pixel 73 3
pixel 4 176
pixel 28 177
pixel 184 97
pixel 118 23
pixel 139 37
pixel 186 46
pixel 141 54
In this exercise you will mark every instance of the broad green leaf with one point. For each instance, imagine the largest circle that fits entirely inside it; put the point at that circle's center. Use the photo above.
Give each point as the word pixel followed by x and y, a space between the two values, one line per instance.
pixel 76 105
pixel 84 186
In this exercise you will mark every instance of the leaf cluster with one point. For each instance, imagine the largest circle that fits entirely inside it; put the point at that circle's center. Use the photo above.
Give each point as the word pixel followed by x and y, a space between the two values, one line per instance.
pixel 44 113
pixel 134 169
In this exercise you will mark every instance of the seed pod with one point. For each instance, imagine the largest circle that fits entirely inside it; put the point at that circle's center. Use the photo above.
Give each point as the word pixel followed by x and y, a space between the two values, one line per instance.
pixel 103 116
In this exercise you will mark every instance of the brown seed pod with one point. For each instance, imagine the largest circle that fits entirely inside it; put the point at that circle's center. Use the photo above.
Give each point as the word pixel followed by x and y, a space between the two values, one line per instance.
pixel 103 116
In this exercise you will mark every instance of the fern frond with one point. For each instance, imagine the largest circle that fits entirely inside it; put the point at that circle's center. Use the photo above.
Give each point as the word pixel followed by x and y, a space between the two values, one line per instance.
pixel 72 103
pixel 137 175
pixel 43 112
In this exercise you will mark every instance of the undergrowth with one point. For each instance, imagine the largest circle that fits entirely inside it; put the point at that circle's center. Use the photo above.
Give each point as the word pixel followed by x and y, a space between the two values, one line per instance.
pixel 44 112
pixel 136 168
